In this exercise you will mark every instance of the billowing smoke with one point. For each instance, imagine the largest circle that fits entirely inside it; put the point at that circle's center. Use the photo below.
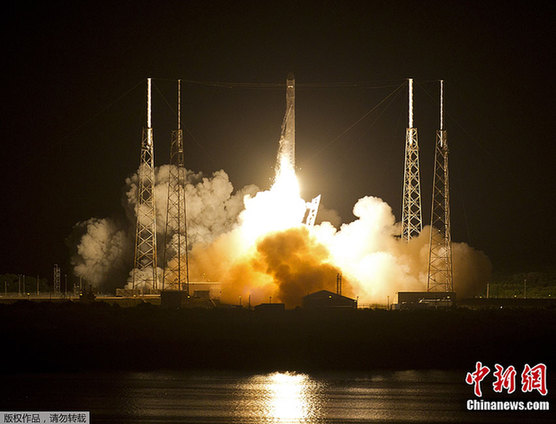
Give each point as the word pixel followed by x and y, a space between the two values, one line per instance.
pixel 370 255
pixel 283 265
pixel 254 243
pixel 297 263
pixel 103 253
pixel 286 264
pixel 379 264
pixel 212 205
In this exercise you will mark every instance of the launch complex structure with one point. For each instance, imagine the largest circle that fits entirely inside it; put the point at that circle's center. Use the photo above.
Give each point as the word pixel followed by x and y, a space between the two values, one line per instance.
pixel 175 262
pixel 440 271
pixel 145 231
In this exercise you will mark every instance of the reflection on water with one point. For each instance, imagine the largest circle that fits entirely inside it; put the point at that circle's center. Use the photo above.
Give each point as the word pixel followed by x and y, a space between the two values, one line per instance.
pixel 280 398
pixel 221 397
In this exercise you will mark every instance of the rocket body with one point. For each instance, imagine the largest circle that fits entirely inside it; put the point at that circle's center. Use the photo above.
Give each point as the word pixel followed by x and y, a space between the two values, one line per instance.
pixel 286 152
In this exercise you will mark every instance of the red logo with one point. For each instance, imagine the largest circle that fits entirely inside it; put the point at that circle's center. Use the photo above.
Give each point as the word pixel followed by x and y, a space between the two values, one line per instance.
pixel 476 377
pixel 532 378
pixel 504 379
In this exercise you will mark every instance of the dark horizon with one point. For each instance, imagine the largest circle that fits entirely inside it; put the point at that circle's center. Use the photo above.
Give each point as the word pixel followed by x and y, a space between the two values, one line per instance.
pixel 75 105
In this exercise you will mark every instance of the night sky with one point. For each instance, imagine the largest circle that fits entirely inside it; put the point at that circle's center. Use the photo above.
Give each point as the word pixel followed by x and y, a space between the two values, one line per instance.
pixel 73 105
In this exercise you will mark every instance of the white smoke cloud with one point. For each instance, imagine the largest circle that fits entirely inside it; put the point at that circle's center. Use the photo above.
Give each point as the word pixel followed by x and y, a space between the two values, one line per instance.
pixel 235 237
pixel 104 251
pixel 104 247
pixel 212 205
pixel 378 264
pixel 287 261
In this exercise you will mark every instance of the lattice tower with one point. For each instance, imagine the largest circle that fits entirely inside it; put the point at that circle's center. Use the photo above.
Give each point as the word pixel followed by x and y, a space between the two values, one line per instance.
pixel 440 273
pixel 145 234
pixel 176 271
pixel 412 222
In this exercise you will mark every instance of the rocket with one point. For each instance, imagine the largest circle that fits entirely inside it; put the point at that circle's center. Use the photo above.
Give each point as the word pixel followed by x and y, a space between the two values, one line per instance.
pixel 286 152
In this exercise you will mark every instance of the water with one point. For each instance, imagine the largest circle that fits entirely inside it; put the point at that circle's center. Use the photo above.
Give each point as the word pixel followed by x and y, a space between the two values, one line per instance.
pixel 227 397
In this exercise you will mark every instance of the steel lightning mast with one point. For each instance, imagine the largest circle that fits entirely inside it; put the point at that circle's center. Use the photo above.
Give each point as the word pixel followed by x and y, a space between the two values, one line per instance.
pixel 412 223
pixel 440 275
pixel 176 272
pixel 145 233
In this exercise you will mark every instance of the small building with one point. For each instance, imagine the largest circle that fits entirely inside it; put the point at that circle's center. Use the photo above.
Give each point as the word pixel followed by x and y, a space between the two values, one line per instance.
pixel 426 300
pixel 329 300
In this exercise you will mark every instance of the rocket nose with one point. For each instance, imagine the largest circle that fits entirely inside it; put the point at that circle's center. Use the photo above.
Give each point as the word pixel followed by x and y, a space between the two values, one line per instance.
pixel 290 76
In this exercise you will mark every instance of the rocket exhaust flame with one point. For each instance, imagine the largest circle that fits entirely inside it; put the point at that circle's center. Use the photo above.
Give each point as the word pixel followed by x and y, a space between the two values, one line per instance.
pixel 254 242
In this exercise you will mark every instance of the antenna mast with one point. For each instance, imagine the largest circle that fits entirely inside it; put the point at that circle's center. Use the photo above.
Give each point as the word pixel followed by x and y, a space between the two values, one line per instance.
pixel 412 222
pixel 145 232
pixel 440 274
pixel 176 271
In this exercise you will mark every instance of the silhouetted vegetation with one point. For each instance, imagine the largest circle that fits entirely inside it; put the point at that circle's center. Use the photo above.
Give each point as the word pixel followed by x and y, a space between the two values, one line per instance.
pixel 524 284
